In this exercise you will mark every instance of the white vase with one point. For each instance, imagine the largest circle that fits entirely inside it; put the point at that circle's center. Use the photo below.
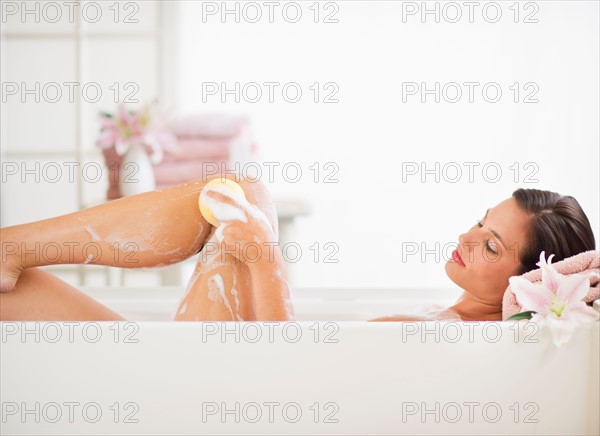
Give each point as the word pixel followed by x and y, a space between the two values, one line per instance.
pixel 137 174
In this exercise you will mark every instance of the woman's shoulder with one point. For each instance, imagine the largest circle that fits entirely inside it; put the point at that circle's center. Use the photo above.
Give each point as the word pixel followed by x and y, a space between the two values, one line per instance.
pixel 437 312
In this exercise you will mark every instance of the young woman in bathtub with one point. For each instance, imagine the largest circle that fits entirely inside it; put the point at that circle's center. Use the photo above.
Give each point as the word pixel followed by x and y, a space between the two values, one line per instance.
pixel 166 227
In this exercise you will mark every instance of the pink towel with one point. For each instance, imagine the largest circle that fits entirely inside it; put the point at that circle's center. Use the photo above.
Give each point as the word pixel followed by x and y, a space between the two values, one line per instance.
pixel 180 172
pixel 197 147
pixel 211 125
pixel 580 263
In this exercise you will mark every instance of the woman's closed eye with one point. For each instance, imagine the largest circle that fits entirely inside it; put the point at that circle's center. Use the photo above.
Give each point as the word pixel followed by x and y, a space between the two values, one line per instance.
pixel 487 243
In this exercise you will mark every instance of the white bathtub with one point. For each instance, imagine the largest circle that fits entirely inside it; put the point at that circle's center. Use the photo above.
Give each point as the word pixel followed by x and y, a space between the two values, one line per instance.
pixel 325 374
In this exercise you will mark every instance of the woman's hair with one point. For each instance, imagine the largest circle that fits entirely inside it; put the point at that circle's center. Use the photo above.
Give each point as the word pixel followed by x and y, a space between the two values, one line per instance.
pixel 558 226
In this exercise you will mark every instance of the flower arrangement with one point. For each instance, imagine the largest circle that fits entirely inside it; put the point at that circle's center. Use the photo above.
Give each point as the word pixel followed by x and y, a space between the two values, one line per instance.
pixel 126 129
pixel 557 302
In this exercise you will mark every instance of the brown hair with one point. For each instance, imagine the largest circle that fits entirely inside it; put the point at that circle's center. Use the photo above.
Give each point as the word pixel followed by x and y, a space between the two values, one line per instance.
pixel 558 226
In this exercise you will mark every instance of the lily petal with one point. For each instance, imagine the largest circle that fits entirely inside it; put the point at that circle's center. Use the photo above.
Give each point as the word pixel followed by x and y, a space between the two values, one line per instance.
pixel 550 277
pixel 530 296
pixel 106 139
pixel 107 123
pixel 573 288
pixel 584 312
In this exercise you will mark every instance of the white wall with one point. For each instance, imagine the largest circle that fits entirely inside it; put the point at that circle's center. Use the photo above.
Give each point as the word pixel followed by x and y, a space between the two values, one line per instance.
pixel 50 134
pixel 371 132
pixel 368 134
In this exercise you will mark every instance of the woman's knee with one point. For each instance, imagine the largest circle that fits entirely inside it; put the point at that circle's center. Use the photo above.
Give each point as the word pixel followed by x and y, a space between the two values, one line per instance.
pixel 258 194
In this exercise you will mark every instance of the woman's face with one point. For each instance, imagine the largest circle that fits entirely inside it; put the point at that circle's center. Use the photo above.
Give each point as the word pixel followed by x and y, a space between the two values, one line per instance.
pixel 490 252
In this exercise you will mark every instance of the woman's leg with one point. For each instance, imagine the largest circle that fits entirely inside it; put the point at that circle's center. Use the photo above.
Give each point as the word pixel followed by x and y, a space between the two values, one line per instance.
pixel 154 228
pixel 41 296
pixel 173 225
pixel 222 288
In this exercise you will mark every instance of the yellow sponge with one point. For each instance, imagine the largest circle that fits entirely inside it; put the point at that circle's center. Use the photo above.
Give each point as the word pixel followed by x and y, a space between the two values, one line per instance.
pixel 205 210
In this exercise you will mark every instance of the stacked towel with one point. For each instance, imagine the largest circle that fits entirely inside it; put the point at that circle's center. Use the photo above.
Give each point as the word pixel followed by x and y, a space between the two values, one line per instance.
pixel 585 262
pixel 206 142
pixel 209 125
pixel 199 147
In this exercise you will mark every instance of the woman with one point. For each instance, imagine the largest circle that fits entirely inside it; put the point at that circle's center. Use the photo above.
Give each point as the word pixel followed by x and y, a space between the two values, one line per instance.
pixel 240 274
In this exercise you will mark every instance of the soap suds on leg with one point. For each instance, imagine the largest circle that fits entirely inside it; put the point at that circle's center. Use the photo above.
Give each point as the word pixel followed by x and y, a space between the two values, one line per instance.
pixel 216 287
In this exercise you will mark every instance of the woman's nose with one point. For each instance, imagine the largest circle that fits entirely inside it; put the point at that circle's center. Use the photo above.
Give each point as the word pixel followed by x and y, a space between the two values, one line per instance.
pixel 465 240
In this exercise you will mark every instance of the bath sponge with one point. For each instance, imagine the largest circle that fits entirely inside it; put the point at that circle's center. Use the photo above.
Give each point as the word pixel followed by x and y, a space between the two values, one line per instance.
pixel 209 208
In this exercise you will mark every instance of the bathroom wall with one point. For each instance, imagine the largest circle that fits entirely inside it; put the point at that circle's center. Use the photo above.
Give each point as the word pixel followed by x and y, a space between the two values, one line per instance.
pixel 61 65
pixel 542 132
pixel 360 133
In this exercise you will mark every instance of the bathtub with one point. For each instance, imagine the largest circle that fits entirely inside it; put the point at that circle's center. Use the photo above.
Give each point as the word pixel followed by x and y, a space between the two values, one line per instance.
pixel 328 373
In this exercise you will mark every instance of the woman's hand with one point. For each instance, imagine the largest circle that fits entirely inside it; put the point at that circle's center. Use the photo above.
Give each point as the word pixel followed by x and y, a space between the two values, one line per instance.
pixel 247 235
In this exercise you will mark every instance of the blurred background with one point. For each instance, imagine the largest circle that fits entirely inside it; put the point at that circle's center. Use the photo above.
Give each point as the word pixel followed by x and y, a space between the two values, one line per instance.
pixel 358 117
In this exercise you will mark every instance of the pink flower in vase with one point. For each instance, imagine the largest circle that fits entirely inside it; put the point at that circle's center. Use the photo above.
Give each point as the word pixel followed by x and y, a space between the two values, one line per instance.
pixel 128 128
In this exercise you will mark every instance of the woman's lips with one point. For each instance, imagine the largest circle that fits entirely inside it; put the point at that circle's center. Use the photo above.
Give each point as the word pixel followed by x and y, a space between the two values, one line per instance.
pixel 457 258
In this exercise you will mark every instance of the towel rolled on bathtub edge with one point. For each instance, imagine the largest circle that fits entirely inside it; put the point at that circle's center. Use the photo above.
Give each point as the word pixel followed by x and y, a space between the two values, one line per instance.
pixel 586 262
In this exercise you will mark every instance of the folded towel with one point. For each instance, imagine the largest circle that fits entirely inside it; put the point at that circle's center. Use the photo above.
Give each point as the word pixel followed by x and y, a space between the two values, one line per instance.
pixel 585 262
pixel 211 125
pixel 206 158
pixel 198 147
pixel 180 172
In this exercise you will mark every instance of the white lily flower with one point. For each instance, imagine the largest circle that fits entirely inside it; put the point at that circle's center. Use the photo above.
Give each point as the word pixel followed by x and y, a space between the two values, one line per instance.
pixel 558 302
